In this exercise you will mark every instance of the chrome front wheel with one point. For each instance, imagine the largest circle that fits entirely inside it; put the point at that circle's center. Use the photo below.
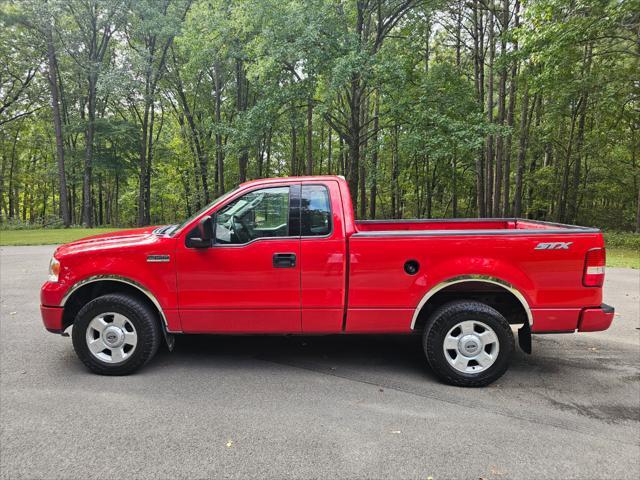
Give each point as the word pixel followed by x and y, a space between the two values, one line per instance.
pixel 111 337
pixel 116 334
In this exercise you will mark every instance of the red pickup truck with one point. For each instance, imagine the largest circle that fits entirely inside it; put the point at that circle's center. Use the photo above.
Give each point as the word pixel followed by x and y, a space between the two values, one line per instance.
pixel 286 256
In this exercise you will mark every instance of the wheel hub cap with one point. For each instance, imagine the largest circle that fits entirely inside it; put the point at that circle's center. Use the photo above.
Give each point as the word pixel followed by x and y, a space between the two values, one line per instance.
pixel 471 347
pixel 113 336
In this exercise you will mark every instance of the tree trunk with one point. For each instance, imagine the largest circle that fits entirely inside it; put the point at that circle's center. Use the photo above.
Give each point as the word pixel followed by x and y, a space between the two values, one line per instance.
pixel 267 167
pixel 329 149
pixel 241 103
pixel 575 183
pixel 506 180
pixel 395 174
pixel 294 148
pixel 143 164
pixel 243 162
pixel 144 176
pixel 522 150
pixel 510 119
pixel 427 45
pixel 458 31
pixel 309 166
pixel 478 69
pixel 502 96
pixel 374 157
pixel 364 118
pixel 572 197
pixel 57 127
pixel 25 201
pixel 561 215
pixel 354 140
pixel 537 152
pixel 73 202
pixel 13 204
pixel 87 204
pixel 3 205
pixel 100 206
pixel 196 138
pixel 260 151
pixel 429 182
pixel 342 155
pixel 220 189
pixel 454 185
pixel 45 197
pixel 147 178
pixel 634 164
pixel 490 138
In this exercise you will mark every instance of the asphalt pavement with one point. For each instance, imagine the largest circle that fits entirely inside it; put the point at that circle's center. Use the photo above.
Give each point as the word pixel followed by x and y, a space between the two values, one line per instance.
pixel 313 407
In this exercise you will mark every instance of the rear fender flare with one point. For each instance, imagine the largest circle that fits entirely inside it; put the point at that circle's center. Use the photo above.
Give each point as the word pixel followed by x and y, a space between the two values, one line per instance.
pixel 473 278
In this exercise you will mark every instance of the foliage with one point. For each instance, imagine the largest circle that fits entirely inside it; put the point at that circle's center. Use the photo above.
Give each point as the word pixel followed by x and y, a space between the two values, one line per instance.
pixel 622 240
pixel 430 109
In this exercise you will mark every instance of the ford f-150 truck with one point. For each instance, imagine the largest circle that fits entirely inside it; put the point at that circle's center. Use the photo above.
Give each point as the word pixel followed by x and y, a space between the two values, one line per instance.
pixel 286 256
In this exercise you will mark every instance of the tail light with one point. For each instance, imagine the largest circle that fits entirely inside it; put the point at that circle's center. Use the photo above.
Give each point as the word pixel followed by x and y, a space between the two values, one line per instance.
pixel 594 263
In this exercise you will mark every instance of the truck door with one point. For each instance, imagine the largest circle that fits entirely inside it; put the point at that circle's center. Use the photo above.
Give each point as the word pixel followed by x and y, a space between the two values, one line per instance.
pixel 249 280
pixel 323 250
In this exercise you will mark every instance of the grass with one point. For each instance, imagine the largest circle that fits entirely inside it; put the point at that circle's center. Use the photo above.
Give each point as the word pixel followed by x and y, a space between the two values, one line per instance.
pixel 623 249
pixel 48 236
pixel 623 257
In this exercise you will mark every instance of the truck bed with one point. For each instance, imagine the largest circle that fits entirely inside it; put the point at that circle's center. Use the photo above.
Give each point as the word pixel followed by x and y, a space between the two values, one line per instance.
pixel 541 260
pixel 469 226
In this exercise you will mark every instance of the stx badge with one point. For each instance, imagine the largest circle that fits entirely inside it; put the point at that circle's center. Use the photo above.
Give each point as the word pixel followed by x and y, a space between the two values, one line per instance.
pixel 553 246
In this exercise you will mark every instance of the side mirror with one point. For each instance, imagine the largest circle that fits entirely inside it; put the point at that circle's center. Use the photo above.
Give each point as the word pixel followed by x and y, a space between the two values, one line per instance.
pixel 202 235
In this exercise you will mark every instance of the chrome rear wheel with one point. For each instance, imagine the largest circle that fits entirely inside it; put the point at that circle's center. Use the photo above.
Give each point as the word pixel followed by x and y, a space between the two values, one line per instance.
pixel 468 343
pixel 471 346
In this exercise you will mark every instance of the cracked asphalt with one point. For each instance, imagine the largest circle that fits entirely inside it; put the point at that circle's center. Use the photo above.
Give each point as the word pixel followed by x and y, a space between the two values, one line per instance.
pixel 313 407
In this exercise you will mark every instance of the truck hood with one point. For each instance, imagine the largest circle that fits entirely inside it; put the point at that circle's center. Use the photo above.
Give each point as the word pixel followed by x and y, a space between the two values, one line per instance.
pixel 113 240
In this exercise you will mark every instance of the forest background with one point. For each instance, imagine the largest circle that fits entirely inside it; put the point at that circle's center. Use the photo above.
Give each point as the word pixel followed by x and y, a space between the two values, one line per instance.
pixel 136 112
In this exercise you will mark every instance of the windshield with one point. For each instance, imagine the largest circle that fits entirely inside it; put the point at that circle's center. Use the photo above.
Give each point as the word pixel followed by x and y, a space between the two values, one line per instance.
pixel 177 228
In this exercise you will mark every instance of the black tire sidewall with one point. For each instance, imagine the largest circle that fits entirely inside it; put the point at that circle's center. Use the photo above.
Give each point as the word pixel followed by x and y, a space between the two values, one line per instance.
pixel 444 319
pixel 143 320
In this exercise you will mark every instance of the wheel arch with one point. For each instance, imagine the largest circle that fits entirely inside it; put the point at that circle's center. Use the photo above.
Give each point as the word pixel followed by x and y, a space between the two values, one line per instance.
pixel 500 293
pixel 90 288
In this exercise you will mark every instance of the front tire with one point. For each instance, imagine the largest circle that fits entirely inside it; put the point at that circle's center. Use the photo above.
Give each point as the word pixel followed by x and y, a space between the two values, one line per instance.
pixel 468 343
pixel 116 334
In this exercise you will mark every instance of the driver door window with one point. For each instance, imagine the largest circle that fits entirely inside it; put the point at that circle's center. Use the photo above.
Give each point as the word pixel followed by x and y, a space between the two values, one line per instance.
pixel 262 213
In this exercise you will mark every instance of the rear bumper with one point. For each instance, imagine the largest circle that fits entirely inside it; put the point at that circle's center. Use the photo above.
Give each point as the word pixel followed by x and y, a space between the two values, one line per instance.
pixel 52 318
pixel 568 320
pixel 596 319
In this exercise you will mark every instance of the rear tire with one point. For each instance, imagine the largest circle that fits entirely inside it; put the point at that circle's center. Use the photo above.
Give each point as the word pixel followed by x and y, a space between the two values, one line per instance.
pixel 468 343
pixel 116 334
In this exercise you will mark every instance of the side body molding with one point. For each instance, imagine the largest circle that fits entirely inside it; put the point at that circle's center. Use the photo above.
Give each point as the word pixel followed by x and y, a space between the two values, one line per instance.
pixel 472 278
pixel 117 278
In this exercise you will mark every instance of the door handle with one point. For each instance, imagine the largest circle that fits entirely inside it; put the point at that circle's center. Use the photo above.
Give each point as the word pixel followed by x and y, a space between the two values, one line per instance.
pixel 284 260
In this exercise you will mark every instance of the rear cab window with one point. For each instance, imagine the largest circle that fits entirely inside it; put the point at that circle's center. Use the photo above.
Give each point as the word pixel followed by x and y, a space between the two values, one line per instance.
pixel 315 211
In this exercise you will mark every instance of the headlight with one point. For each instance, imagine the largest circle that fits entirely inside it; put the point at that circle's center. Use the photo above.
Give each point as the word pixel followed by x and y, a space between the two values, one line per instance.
pixel 54 269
